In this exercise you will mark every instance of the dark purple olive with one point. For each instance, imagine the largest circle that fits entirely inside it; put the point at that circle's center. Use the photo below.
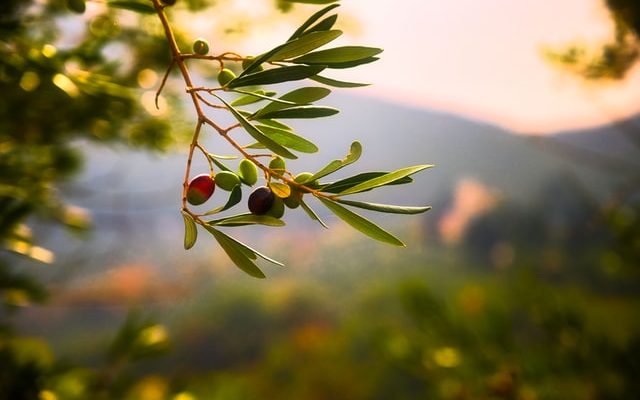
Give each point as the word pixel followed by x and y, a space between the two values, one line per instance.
pixel 261 200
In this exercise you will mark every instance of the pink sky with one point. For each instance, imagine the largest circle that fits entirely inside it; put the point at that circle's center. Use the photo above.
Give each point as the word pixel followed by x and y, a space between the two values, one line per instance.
pixel 482 58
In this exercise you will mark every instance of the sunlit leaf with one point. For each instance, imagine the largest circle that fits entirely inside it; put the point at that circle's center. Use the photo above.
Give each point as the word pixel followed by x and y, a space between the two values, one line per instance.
pixel 304 44
pixel 288 139
pixel 190 231
pixel 360 223
pixel 323 25
pixel 221 157
pixel 263 97
pixel 342 54
pixel 257 135
pixel 351 64
pixel 311 20
pixel 276 75
pixel 281 190
pixel 384 179
pixel 234 198
pixel 346 183
pixel 137 6
pixel 274 124
pixel 247 219
pixel 252 97
pixel 236 253
pixel 354 154
pixel 312 214
pixel 305 95
pixel 337 83
pixel 385 208
pixel 302 112
pixel 255 64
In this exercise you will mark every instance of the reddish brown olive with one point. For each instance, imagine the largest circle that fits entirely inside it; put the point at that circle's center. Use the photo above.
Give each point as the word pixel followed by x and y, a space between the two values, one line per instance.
pixel 261 200
pixel 200 189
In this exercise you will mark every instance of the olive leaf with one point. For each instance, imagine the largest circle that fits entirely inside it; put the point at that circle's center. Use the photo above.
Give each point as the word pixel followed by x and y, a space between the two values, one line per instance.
pixel 287 139
pixel 338 55
pixel 360 223
pixel 336 83
pixel 305 95
pixel 251 97
pixel 247 219
pixel 385 208
pixel 354 154
pixel 304 44
pixel 240 256
pixel 324 25
pixel 190 231
pixel 312 214
pixel 384 179
pixel 302 112
pixel 346 183
pixel 256 134
pixel 260 96
pixel 311 20
pixel 276 75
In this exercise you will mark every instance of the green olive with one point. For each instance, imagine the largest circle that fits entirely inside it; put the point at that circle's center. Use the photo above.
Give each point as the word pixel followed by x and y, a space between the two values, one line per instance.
pixel 278 165
pixel 227 180
pixel 201 46
pixel 248 172
pixel 225 76
pixel 277 208
pixel 303 177
pixel 293 201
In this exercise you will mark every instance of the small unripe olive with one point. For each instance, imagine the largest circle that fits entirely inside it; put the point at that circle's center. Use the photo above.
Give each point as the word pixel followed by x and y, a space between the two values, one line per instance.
pixel 247 61
pixel 227 180
pixel 225 76
pixel 261 200
pixel 293 201
pixel 277 208
pixel 200 189
pixel 277 164
pixel 248 172
pixel 201 46
pixel 303 177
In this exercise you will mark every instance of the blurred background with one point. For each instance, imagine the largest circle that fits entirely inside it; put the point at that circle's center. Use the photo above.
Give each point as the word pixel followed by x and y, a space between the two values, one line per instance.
pixel 522 282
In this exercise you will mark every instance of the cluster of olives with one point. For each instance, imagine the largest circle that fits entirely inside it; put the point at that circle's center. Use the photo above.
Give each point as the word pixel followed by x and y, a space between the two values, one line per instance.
pixel 262 201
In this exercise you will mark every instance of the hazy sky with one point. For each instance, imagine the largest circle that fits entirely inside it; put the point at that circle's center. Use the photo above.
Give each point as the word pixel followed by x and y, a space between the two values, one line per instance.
pixel 484 58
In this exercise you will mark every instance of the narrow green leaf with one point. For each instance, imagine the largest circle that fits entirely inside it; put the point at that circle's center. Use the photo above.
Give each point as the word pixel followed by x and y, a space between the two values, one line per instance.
pixel 142 8
pixel 385 208
pixel 276 75
pixel 304 44
pixel 274 124
pixel 254 252
pixel 264 97
pixel 219 164
pixel 288 139
pixel 360 223
pixel 190 231
pixel 338 55
pixel 354 154
pixel 351 64
pixel 305 95
pixel 384 179
pixel 302 112
pixel 312 214
pixel 221 157
pixel 236 253
pixel 247 219
pixel 255 64
pixel 311 20
pixel 346 183
pixel 256 134
pixel 234 198
pixel 251 97
pixel 324 25
pixel 337 83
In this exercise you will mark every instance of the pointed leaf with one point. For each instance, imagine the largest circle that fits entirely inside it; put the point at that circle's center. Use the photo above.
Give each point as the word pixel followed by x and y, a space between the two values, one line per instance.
pixel 338 55
pixel 304 44
pixel 354 154
pixel 323 25
pixel 274 124
pixel 255 64
pixel 344 184
pixel 351 64
pixel 384 179
pixel 360 223
pixel 337 83
pixel 302 112
pixel 305 95
pixel 190 231
pixel 221 157
pixel 256 134
pixel 276 75
pixel 247 219
pixel 311 20
pixel 385 208
pixel 288 139
pixel 248 251
pixel 236 253
pixel 281 190
pixel 312 214
pixel 234 198
pixel 262 97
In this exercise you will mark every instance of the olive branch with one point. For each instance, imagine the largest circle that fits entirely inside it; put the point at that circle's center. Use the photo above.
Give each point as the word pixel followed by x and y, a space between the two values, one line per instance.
pixel 297 59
